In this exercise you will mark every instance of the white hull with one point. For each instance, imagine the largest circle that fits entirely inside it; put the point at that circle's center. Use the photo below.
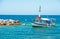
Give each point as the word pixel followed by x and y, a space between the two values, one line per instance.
pixel 42 25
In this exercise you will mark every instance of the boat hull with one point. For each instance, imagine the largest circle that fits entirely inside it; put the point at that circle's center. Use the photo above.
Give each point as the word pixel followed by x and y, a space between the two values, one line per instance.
pixel 38 25
pixel 41 25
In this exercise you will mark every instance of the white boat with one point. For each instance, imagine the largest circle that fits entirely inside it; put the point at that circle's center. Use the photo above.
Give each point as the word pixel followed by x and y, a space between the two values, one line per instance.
pixel 42 22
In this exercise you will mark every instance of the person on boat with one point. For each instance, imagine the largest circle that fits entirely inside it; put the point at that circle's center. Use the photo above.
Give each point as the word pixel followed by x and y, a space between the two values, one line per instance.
pixel 39 19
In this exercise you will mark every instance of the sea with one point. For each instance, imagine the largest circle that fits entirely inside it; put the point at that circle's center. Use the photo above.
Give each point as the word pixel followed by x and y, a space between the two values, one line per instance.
pixel 29 32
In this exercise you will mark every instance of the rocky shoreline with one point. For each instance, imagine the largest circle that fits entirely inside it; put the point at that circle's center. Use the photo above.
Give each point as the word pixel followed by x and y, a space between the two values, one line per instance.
pixel 9 22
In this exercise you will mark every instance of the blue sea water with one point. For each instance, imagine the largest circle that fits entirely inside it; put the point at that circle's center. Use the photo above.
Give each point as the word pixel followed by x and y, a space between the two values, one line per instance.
pixel 29 32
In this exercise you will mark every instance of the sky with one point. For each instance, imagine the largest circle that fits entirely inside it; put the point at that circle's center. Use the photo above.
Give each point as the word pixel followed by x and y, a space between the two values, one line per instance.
pixel 29 7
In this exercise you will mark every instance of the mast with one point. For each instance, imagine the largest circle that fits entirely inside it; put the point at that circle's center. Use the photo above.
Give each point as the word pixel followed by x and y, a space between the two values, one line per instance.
pixel 39 16
pixel 39 11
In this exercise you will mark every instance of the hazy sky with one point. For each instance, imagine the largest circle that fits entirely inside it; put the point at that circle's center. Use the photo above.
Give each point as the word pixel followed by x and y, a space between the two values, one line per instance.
pixel 27 7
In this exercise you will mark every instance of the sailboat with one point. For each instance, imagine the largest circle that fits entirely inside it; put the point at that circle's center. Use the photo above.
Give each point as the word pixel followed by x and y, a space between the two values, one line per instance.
pixel 42 22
